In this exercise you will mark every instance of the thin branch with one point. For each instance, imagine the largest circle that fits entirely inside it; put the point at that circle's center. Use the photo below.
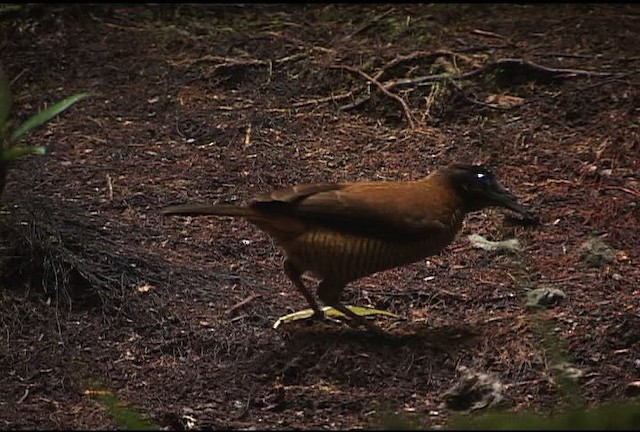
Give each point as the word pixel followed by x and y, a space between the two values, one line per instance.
pixel 405 107
pixel 393 63
pixel 479 102
pixel 235 62
pixel 355 104
pixel 477 48
pixel 569 55
pixel 233 309
pixel 332 98
pixel 501 62
pixel 387 86
pixel 486 33
pixel 417 80
pixel 549 70
pixel 366 26
pixel 630 191
pixel 412 57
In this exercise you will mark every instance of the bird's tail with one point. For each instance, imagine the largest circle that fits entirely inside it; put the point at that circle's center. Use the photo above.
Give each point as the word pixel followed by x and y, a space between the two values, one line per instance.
pixel 208 209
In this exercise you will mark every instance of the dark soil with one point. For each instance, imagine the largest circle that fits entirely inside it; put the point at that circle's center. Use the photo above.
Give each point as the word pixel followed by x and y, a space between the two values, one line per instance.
pixel 209 103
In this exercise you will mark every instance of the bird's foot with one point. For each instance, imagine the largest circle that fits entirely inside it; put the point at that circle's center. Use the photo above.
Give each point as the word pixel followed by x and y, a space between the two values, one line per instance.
pixel 326 314
pixel 320 315
pixel 330 314
pixel 357 317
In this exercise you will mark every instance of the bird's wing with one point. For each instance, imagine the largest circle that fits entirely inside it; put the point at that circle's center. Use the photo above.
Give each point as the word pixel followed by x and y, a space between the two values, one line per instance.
pixel 385 210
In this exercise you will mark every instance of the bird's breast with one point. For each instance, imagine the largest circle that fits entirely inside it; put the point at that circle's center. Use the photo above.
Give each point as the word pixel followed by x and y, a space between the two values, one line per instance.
pixel 344 257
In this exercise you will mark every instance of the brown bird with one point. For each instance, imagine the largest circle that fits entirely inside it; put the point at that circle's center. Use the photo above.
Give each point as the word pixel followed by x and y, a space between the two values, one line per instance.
pixel 341 232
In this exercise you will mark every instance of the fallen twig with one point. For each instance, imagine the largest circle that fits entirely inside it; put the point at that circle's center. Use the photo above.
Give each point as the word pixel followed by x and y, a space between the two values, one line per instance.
pixel 247 136
pixel 617 79
pixel 478 102
pixel 332 98
pixel 568 55
pixel 393 63
pixel 228 62
pixel 298 43
pixel 488 34
pixel 355 104
pixel 110 187
pixel 382 88
pixel 417 80
pixel 24 396
pixel 386 86
pixel 534 66
pixel 412 57
pixel 243 303
pixel 630 191
pixel 477 48
pixel 373 21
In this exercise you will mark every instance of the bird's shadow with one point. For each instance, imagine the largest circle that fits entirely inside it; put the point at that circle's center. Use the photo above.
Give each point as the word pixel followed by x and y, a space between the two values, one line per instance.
pixel 328 351
pixel 418 335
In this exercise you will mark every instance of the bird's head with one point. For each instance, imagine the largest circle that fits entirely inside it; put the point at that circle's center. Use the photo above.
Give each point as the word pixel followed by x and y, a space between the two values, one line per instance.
pixel 479 189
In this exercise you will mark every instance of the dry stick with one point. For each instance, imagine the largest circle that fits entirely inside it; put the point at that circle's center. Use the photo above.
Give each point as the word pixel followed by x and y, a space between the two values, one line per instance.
pixel 298 43
pixel 422 80
pixel 608 81
pixel 341 97
pixel 630 191
pixel 355 104
pixel 242 303
pixel 501 62
pixel 476 101
pixel 476 48
pixel 428 79
pixel 586 56
pixel 410 57
pixel 417 80
pixel 393 63
pixel 369 78
pixel 549 70
pixel 235 62
pixel 220 59
pixel 110 187
pixel 568 55
pixel 332 98
pixel 292 57
pixel 488 34
pixel 373 21
pixel 247 136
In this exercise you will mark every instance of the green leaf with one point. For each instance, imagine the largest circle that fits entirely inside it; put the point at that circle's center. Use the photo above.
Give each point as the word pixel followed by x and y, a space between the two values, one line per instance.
pixel 46 115
pixel 5 101
pixel 14 153
pixel 329 311
pixel 613 416
pixel 125 417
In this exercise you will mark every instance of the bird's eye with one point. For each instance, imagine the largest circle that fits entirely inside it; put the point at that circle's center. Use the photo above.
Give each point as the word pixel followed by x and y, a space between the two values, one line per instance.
pixel 482 177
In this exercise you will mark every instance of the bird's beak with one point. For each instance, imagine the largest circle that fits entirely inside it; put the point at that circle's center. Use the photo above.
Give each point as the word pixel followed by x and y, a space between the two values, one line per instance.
pixel 501 197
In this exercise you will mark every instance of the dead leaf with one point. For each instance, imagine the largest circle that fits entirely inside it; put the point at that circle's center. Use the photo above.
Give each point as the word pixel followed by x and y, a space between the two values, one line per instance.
pixel 511 245
pixel 144 288
pixel 505 101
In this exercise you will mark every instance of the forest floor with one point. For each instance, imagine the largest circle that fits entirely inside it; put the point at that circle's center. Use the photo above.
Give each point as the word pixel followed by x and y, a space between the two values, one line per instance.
pixel 217 103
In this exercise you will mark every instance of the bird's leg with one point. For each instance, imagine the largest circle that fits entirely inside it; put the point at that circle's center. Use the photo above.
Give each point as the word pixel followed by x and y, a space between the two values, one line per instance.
pixel 294 274
pixel 329 293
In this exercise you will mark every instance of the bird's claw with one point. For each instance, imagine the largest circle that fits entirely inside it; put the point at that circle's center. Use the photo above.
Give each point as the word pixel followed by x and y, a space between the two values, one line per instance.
pixel 330 314
pixel 321 316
